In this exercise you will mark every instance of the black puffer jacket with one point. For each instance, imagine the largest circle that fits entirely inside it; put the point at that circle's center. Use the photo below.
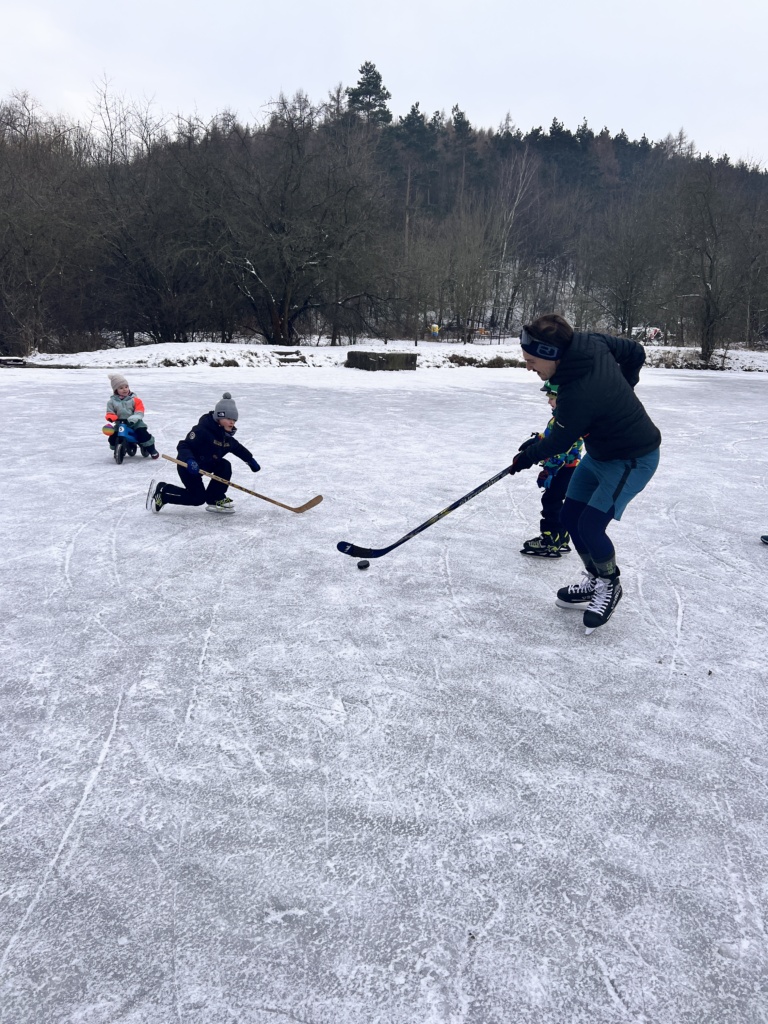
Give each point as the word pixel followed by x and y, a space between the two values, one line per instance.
pixel 208 443
pixel 596 401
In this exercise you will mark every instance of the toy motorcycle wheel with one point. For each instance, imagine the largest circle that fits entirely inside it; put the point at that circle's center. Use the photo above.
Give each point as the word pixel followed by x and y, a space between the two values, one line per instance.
pixel 131 450
pixel 119 452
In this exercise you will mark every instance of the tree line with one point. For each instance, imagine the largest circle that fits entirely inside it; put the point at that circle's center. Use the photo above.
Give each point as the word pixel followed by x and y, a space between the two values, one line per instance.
pixel 335 219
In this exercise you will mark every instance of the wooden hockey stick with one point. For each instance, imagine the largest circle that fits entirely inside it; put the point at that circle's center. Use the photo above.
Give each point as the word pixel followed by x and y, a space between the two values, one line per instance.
pixel 301 508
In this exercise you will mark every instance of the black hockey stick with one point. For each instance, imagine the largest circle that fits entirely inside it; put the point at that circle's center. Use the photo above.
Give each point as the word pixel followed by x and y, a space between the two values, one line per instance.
pixel 356 552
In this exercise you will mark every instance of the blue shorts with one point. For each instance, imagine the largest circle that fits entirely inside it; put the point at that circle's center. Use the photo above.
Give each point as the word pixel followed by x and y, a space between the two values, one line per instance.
pixel 613 484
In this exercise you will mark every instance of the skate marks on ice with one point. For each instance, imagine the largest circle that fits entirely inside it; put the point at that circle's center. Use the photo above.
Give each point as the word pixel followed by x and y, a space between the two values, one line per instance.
pixel 727 585
pixel 465 537
pixel 71 825
pixel 675 640
pixel 748 939
pixel 199 679
pixel 343 799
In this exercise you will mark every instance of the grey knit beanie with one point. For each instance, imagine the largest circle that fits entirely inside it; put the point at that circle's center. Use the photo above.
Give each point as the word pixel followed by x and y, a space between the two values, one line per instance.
pixel 117 380
pixel 226 408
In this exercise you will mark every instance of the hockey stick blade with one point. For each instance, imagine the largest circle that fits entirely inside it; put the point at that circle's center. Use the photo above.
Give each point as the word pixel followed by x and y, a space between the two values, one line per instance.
pixel 307 505
pixel 356 552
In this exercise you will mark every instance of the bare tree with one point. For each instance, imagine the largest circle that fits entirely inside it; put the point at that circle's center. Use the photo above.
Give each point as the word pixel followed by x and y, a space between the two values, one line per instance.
pixel 721 242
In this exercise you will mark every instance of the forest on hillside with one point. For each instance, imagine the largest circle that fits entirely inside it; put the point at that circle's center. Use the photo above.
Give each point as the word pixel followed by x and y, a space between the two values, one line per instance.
pixel 337 220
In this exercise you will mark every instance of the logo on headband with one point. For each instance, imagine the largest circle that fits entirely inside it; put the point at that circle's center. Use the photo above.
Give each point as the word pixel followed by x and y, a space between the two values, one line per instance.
pixel 536 347
pixel 547 351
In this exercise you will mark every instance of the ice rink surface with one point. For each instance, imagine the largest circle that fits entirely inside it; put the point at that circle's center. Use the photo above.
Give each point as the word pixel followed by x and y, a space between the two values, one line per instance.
pixel 244 782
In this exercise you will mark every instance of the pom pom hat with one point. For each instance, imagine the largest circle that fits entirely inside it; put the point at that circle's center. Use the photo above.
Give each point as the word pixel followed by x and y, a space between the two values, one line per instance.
pixel 226 408
pixel 117 380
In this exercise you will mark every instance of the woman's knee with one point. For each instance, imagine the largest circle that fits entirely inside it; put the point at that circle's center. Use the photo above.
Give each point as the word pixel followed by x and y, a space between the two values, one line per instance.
pixel 570 515
pixel 593 523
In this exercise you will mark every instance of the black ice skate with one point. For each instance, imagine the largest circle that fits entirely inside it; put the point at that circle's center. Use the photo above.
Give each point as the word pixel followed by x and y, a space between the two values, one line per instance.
pixel 604 600
pixel 224 505
pixel 154 497
pixel 547 545
pixel 577 594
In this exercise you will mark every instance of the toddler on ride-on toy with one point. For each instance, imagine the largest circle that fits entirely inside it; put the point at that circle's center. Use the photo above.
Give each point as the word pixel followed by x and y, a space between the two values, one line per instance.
pixel 125 427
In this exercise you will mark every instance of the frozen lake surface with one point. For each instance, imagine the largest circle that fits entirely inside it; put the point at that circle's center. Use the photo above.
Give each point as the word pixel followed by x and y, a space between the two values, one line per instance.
pixel 243 781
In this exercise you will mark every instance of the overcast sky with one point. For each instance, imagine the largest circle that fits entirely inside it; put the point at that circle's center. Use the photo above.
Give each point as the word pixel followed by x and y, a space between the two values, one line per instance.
pixel 651 67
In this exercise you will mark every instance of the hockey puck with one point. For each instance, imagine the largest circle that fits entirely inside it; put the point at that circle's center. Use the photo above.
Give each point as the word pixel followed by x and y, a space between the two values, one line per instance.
pixel 363 563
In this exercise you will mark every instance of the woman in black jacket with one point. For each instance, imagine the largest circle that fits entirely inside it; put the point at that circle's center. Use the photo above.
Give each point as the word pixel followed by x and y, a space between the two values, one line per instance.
pixel 596 375
pixel 205 447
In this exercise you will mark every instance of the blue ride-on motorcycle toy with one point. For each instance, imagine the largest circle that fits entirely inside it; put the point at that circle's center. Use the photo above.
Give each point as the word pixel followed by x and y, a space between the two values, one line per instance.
pixel 122 440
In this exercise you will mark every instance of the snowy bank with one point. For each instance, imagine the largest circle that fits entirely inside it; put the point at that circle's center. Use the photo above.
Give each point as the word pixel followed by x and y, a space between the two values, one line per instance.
pixel 431 355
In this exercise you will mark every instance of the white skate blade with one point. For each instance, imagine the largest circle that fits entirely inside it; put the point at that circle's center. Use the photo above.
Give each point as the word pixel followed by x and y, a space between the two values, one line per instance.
pixel 579 607
pixel 150 494
pixel 220 511
pixel 590 629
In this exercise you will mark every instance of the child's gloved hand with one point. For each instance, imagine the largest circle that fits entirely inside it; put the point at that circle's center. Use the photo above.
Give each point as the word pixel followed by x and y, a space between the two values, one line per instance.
pixel 545 478
pixel 134 419
pixel 254 466
pixel 192 466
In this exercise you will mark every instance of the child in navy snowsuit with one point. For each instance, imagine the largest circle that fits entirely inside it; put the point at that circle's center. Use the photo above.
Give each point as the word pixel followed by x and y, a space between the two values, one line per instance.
pixel 205 447
pixel 554 477
pixel 124 405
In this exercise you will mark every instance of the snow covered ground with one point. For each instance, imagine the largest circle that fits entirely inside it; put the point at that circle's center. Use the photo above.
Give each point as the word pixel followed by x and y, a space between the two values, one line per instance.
pixel 431 355
pixel 243 781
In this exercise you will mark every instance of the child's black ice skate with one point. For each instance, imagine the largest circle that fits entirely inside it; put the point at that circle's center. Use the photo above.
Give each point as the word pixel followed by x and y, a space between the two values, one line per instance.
pixel 547 545
pixel 224 505
pixel 154 500
pixel 604 600
pixel 577 595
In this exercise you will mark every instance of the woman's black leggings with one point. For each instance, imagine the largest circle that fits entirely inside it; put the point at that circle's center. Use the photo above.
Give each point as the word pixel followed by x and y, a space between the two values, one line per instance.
pixel 587 526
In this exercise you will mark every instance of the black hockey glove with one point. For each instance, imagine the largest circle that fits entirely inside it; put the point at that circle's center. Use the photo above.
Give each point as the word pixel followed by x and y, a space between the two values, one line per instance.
pixel 523 460
pixel 528 442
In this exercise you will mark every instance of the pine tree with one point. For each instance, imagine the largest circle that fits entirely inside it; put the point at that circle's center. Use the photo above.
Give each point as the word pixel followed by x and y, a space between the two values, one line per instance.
pixel 416 137
pixel 369 97
pixel 463 136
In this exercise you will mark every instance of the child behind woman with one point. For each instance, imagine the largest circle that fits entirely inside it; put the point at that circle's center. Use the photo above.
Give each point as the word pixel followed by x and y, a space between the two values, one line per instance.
pixel 554 478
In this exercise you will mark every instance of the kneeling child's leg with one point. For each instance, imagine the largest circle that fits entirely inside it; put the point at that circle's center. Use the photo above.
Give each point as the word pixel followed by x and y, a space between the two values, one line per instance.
pixel 216 490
